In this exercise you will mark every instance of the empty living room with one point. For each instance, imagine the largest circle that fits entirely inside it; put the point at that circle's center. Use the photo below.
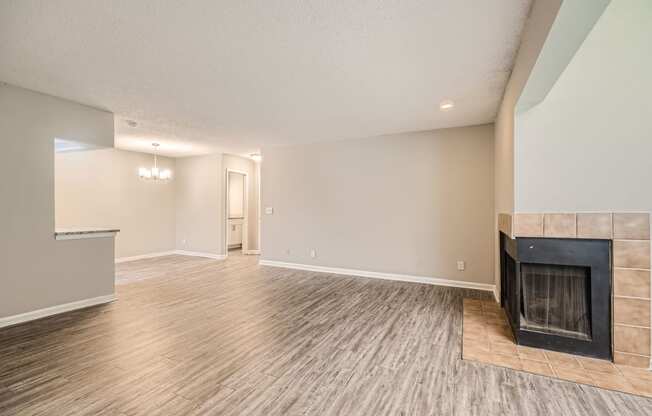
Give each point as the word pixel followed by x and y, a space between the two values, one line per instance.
pixel 325 207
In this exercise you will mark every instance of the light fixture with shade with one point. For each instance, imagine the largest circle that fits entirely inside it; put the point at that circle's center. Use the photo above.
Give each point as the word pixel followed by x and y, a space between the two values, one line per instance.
pixel 155 173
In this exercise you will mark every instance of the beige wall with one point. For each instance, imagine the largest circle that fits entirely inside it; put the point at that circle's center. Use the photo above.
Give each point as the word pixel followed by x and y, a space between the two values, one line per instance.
pixel 248 166
pixel 591 136
pixel 200 204
pixel 408 204
pixel 102 188
pixel 36 271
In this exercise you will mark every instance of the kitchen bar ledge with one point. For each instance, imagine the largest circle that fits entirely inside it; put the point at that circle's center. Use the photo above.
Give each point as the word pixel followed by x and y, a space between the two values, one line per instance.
pixel 78 233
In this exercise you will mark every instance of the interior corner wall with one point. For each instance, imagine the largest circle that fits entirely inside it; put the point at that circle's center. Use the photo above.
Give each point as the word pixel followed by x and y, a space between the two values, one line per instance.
pixel 587 146
pixel 102 188
pixel 37 271
pixel 200 204
pixel 412 204
pixel 535 32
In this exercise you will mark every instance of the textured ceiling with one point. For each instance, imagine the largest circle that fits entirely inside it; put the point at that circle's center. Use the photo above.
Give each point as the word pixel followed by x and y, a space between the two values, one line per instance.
pixel 235 75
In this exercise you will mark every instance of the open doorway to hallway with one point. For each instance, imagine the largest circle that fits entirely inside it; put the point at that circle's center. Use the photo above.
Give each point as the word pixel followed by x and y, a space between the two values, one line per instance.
pixel 237 215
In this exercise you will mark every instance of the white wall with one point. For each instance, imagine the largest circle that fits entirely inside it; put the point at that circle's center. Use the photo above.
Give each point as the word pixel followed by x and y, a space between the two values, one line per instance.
pixel 200 204
pixel 37 271
pixel 573 20
pixel 412 204
pixel 102 188
pixel 587 147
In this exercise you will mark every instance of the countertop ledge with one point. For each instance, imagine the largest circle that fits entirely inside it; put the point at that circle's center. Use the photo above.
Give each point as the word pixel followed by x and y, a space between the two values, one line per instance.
pixel 84 232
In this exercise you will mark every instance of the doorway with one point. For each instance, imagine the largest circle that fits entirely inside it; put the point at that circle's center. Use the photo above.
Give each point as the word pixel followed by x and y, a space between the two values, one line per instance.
pixel 236 218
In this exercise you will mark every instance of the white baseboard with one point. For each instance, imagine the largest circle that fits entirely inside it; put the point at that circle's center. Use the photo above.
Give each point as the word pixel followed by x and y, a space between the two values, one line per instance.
pixel 200 254
pixel 169 253
pixel 379 275
pixel 144 256
pixel 250 252
pixel 55 310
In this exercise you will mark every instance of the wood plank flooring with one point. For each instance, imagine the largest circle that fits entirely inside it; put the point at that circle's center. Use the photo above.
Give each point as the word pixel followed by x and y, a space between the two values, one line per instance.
pixel 194 336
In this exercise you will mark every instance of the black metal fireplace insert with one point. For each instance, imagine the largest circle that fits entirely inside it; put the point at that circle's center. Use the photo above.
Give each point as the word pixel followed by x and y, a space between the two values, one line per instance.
pixel 557 293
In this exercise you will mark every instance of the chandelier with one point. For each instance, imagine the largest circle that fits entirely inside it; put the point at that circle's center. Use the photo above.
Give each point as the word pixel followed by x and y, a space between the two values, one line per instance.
pixel 155 174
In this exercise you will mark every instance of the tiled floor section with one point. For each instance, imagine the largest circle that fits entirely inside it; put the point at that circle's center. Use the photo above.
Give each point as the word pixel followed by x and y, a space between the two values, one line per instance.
pixel 488 339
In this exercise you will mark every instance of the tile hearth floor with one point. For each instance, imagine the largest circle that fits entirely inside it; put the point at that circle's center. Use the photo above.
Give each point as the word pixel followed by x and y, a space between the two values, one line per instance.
pixel 487 338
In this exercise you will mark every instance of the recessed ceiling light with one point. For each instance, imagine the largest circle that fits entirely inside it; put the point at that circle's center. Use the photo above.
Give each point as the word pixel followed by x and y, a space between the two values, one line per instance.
pixel 446 105
pixel 131 123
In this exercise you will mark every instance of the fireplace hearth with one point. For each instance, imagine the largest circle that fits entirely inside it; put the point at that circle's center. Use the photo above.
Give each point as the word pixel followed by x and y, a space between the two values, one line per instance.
pixel 557 293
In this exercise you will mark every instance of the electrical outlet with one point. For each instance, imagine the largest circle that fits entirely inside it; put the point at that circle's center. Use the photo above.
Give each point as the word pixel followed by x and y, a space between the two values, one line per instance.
pixel 183 242
pixel 461 265
pixel 269 210
pixel 313 253
pixel 287 251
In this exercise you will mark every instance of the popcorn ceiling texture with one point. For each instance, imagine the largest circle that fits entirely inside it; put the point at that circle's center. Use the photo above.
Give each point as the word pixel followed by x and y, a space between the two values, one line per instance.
pixel 233 76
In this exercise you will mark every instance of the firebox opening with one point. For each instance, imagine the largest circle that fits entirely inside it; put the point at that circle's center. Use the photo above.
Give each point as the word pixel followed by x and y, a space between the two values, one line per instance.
pixel 556 300
pixel 557 293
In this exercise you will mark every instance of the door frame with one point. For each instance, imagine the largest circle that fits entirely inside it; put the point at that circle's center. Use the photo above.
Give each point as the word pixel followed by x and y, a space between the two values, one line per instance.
pixel 245 222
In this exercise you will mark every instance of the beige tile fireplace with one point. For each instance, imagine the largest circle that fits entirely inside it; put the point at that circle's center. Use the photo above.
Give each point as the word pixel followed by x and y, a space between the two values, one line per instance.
pixel 486 338
pixel 630 235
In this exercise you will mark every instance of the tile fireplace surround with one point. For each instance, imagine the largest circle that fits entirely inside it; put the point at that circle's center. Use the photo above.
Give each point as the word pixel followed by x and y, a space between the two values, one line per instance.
pixel 630 235
pixel 486 338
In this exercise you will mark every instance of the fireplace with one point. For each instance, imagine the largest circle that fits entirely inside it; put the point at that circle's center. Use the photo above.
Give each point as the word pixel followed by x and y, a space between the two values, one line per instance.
pixel 557 293
pixel 556 300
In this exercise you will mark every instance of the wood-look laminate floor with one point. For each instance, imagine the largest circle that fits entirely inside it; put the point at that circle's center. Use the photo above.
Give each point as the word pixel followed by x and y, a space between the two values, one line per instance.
pixel 193 336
